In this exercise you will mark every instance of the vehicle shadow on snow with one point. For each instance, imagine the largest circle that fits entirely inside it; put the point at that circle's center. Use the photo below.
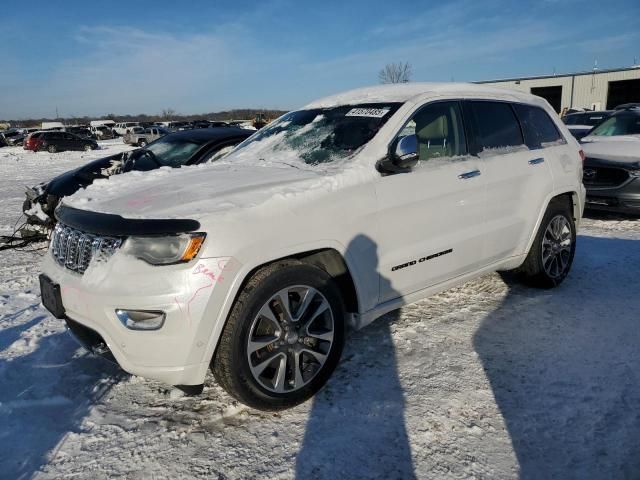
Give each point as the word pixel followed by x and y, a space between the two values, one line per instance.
pixel 564 366
pixel 356 426
pixel 45 395
pixel 9 335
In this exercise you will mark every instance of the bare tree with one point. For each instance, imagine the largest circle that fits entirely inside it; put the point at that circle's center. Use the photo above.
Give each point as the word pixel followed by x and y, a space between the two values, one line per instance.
pixel 168 113
pixel 395 73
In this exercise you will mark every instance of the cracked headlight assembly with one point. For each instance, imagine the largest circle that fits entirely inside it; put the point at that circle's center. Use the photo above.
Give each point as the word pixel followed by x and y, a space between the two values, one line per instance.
pixel 165 250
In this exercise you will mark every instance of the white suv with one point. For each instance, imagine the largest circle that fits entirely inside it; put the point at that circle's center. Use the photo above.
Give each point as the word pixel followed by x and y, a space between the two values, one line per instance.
pixel 331 215
pixel 124 127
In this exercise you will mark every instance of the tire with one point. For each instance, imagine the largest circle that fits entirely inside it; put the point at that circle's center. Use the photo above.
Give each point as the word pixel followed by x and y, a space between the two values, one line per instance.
pixel 236 365
pixel 551 256
pixel 88 148
pixel 52 149
pixel 142 143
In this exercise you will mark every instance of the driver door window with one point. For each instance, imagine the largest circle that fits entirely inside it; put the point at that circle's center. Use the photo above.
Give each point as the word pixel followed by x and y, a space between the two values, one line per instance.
pixel 439 131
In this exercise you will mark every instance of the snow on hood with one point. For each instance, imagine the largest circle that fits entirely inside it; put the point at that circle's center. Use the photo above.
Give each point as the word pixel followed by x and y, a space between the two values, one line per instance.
pixel 187 192
pixel 622 149
pixel 249 176
pixel 219 188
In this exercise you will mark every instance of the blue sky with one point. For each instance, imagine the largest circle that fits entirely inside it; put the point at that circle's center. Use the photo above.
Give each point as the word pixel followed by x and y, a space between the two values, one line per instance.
pixel 93 58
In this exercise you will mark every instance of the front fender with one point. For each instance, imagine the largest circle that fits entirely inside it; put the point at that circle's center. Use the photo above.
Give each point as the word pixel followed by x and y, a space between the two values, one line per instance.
pixel 237 270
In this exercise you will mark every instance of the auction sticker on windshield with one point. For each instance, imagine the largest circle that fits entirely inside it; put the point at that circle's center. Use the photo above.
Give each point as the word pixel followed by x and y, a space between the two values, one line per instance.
pixel 367 112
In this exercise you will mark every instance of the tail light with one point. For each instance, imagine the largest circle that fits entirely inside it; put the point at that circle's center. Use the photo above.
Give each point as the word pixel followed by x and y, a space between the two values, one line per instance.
pixel 582 156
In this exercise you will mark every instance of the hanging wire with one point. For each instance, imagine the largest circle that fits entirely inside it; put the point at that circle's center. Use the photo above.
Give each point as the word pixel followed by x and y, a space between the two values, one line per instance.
pixel 18 242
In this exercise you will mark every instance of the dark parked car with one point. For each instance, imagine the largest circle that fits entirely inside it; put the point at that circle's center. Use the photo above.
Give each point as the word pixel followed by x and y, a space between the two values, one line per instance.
pixel 611 175
pixel 58 141
pixel 14 138
pixel 580 124
pixel 82 132
pixel 174 150
pixel 626 106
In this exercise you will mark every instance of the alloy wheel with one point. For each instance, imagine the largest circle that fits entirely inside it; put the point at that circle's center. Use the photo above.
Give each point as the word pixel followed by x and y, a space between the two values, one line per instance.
pixel 290 339
pixel 556 246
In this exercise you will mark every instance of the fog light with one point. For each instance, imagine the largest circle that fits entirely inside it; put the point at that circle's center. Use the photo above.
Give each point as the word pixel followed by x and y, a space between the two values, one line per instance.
pixel 141 319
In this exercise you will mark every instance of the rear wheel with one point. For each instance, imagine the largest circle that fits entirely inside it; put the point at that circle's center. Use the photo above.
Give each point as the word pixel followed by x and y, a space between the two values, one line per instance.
pixel 142 143
pixel 551 255
pixel 88 148
pixel 283 338
pixel 52 149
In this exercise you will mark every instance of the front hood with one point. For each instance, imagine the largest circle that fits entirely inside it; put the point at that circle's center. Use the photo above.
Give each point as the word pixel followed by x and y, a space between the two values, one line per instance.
pixel 624 150
pixel 189 192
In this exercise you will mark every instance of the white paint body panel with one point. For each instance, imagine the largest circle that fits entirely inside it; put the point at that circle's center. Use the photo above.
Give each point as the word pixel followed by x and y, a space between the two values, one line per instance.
pixel 373 221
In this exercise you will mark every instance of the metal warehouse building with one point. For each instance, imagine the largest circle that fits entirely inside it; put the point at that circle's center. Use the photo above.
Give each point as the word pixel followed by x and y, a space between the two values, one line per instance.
pixel 595 90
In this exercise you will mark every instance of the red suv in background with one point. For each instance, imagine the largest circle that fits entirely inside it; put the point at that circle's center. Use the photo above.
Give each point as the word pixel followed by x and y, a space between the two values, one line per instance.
pixel 32 141
pixel 58 141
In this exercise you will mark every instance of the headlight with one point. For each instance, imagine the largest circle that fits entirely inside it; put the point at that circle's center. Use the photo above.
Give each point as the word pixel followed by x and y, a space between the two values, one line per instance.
pixel 165 250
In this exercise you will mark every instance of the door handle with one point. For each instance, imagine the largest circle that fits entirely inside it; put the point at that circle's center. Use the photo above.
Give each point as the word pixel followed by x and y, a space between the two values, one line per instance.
pixel 467 175
pixel 536 161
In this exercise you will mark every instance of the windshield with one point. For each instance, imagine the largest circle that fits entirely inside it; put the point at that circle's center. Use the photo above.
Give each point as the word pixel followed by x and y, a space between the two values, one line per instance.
pixel 319 135
pixel 173 152
pixel 626 124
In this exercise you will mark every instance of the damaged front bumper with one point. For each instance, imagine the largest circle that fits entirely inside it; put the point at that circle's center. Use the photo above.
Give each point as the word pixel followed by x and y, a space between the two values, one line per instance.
pixel 39 206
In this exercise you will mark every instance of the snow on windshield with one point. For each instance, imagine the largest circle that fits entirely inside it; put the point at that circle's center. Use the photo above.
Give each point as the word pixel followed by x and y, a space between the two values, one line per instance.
pixel 320 136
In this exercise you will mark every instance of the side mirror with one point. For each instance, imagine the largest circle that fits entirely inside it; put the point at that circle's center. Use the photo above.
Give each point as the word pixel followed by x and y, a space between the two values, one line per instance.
pixel 403 155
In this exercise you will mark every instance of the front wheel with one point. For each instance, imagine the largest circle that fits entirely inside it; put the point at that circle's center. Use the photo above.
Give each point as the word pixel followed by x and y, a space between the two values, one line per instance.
pixel 551 255
pixel 142 143
pixel 283 338
pixel 88 148
pixel 52 149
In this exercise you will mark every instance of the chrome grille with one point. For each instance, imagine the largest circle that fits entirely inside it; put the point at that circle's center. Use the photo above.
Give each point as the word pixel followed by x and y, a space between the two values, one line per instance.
pixel 75 250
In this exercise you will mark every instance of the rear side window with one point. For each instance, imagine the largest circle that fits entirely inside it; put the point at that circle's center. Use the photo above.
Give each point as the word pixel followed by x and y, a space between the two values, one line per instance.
pixel 539 130
pixel 496 124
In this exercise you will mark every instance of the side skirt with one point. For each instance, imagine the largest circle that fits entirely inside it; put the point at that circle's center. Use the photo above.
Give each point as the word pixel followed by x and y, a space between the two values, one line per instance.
pixel 364 319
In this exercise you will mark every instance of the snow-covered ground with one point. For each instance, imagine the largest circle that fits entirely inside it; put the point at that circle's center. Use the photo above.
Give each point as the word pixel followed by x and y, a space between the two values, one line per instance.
pixel 489 380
